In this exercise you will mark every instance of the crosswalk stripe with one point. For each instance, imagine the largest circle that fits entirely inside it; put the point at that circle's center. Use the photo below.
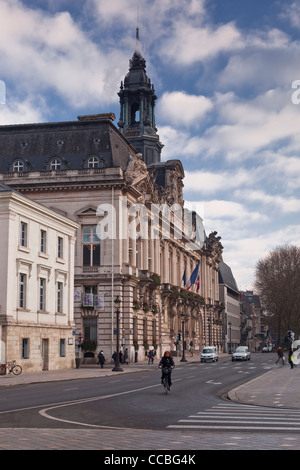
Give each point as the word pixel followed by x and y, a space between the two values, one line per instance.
pixel 241 417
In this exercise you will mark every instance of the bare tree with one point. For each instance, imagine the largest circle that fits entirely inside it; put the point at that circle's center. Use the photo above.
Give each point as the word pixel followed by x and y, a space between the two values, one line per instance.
pixel 278 286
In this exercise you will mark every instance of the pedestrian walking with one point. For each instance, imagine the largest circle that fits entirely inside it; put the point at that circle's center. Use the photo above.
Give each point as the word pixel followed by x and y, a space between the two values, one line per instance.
pixel 291 358
pixel 114 356
pixel 126 358
pixel 150 356
pixel 101 359
pixel 280 355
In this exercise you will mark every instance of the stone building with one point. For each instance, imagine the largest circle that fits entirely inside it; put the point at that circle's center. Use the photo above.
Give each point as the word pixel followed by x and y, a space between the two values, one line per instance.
pixel 230 300
pixel 36 278
pixel 135 239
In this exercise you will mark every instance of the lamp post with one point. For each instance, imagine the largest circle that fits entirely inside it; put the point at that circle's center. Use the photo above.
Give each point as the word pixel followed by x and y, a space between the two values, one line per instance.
pixel 229 324
pixel 117 367
pixel 183 359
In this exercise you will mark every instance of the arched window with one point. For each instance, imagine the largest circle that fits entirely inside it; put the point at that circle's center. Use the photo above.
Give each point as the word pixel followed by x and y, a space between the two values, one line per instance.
pixel 93 162
pixel 18 165
pixel 55 164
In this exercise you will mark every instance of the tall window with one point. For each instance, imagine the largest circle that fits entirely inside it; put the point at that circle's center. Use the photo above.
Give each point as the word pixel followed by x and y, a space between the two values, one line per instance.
pixel 60 247
pixel 43 241
pixel 90 329
pixel 22 290
pixel 59 303
pixel 42 305
pixel 91 246
pixel 62 348
pixel 23 234
pixel 25 348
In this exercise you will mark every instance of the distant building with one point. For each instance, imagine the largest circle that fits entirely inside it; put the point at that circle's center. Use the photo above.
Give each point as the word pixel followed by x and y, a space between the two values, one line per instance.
pixel 230 299
pixel 36 278
pixel 254 332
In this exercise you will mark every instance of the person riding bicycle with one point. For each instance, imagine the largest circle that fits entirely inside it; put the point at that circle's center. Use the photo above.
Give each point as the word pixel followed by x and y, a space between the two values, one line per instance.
pixel 166 362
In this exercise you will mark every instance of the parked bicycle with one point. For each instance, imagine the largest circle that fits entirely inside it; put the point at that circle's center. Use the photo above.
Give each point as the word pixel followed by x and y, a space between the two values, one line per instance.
pixel 12 367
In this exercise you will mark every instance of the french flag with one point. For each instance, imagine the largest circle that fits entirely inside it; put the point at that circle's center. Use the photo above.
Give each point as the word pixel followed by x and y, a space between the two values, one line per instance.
pixel 198 283
pixel 192 279
pixel 184 278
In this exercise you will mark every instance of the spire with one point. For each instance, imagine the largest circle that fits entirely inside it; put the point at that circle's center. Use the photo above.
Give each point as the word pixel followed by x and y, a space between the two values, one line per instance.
pixel 137 108
pixel 137 43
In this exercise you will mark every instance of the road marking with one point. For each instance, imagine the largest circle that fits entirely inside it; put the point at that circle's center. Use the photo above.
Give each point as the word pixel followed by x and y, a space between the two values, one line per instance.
pixel 242 418
pixel 44 412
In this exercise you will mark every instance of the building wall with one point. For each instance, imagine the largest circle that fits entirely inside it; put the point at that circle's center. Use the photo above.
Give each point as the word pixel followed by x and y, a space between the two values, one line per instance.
pixel 31 320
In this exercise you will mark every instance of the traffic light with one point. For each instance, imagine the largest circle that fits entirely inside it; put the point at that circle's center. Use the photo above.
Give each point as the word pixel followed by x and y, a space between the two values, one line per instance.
pixel 178 337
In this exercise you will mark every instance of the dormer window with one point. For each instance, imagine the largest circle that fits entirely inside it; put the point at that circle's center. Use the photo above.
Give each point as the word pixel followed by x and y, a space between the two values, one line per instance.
pixel 93 162
pixel 18 165
pixel 55 164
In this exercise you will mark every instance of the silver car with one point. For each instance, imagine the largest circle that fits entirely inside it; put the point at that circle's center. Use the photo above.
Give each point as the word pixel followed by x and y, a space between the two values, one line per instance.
pixel 241 353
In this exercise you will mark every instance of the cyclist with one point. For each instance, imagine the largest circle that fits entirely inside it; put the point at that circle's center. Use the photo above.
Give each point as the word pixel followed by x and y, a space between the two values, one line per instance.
pixel 166 362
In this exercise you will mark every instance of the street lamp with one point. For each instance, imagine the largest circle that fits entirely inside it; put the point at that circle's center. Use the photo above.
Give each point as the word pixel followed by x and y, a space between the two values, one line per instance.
pixel 117 367
pixel 229 324
pixel 183 359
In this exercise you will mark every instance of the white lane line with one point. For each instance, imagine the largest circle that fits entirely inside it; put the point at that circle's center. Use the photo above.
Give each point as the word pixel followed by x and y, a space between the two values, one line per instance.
pixel 45 411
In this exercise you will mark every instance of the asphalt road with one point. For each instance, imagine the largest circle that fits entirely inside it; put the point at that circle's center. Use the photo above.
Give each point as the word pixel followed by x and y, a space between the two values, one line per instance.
pixel 135 401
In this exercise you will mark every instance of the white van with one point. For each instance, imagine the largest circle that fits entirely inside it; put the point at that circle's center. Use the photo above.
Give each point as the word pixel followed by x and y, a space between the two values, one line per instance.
pixel 209 353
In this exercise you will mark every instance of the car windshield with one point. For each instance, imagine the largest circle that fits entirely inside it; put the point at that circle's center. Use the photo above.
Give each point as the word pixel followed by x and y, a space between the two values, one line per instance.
pixel 240 349
pixel 207 350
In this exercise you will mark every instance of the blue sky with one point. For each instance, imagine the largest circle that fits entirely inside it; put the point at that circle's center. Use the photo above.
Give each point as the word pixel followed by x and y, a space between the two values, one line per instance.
pixel 223 73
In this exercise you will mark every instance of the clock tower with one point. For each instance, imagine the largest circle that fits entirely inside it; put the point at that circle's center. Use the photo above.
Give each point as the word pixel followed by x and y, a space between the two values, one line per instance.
pixel 137 109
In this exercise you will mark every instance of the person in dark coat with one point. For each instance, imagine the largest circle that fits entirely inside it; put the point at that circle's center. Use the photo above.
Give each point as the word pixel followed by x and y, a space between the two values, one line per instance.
pixel 166 362
pixel 291 358
pixel 280 355
pixel 101 359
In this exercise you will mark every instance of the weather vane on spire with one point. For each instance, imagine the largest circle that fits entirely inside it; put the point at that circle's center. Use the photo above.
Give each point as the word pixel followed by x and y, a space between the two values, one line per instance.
pixel 137 44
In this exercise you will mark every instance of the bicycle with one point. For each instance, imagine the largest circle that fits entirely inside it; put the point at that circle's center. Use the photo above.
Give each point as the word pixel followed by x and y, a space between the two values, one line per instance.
pixel 12 367
pixel 166 373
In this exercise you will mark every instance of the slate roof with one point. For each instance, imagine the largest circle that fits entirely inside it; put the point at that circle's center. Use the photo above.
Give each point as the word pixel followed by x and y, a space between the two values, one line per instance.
pixel 226 277
pixel 72 142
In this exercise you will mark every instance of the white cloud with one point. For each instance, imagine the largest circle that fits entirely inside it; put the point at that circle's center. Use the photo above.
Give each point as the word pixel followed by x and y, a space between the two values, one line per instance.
pixel 189 44
pixel 40 52
pixel 283 203
pixel 209 182
pixel 179 108
pixel 28 111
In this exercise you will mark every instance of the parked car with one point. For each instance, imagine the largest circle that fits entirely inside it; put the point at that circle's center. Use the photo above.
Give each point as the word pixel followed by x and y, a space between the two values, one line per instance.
pixel 241 353
pixel 267 348
pixel 209 353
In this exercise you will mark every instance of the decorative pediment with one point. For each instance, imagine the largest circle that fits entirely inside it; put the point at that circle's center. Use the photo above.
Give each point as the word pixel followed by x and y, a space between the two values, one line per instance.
pixel 88 211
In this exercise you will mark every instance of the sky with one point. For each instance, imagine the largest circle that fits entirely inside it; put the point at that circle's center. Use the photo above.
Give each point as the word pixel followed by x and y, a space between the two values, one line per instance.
pixel 225 73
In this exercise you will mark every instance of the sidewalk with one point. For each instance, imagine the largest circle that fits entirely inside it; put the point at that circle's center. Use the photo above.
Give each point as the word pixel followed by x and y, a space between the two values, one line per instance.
pixel 85 371
pixel 278 388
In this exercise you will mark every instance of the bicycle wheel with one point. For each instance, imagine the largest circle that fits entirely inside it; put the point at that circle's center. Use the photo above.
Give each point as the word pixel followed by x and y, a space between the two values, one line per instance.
pixel 166 384
pixel 16 370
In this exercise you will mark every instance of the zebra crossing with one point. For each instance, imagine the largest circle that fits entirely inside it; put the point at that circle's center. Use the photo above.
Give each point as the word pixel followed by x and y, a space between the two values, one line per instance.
pixel 236 417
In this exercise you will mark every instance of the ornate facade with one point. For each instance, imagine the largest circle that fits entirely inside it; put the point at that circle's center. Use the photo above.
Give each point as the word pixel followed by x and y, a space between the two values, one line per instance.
pixel 135 238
